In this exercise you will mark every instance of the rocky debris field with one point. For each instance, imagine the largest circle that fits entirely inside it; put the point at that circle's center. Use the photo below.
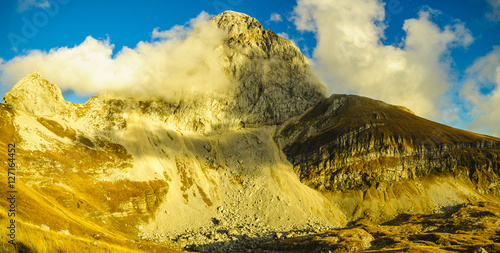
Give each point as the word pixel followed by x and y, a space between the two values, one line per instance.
pixel 246 238
pixel 471 227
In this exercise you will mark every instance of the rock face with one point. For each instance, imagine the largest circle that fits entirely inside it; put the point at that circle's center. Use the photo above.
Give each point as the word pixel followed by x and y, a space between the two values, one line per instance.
pixel 272 158
pixel 352 142
pixel 275 81
pixel 35 95
pixel 272 81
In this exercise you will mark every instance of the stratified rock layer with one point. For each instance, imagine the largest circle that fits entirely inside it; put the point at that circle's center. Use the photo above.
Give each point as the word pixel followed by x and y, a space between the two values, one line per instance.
pixel 351 142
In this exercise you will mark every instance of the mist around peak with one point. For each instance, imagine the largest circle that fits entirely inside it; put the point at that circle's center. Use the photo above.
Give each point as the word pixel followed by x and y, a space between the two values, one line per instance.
pixel 181 62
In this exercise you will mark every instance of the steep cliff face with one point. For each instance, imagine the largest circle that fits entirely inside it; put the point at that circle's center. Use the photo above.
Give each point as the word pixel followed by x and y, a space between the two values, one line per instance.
pixel 274 78
pixel 352 142
pixel 271 82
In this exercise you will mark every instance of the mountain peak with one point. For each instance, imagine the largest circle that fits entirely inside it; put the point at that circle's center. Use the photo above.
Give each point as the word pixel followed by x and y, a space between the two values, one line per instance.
pixel 34 74
pixel 35 95
pixel 236 23
pixel 274 79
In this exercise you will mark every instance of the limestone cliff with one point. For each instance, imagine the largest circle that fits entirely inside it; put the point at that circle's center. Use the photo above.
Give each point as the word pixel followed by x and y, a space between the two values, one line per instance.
pixel 351 142
pixel 271 82
pixel 275 81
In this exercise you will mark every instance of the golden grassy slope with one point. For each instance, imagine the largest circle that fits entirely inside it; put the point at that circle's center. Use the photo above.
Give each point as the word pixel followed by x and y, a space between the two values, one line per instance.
pixel 47 212
pixel 60 193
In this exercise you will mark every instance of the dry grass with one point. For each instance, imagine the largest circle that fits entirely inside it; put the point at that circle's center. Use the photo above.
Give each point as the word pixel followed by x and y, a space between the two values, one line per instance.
pixel 40 240
pixel 51 215
pixel 83 210
pixel 82 214
pixel 8 132
pixel 186 180
pixel 91 205
pixel 392 124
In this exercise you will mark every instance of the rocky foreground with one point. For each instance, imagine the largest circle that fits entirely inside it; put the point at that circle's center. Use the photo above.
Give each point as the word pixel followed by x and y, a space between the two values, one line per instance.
pixel 471 227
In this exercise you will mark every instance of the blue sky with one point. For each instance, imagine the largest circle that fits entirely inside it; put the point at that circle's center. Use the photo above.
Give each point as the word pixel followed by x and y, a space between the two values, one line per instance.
pixel 449 85
pixel 124 22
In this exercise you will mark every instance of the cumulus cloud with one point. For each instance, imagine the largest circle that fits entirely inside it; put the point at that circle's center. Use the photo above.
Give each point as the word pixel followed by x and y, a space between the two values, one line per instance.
pixel 484 73
pixel 350 57
pixel 275 17
pixel 284 35
pixel 183 62
pixel 180 31
pixel 494 15
pixel 176 32
pixel 24 5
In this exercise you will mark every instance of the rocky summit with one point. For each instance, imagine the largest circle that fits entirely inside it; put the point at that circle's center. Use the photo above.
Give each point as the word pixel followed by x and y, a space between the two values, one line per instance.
pixel 271 165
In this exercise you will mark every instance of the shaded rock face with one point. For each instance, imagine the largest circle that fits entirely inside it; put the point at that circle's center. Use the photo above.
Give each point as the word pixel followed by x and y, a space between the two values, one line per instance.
pixel 352 142
pixel 274 78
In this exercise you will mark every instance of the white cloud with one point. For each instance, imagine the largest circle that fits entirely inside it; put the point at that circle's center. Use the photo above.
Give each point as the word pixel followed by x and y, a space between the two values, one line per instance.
pixel 179 64
pixel 494 15
pixel 284 35
pixel 484 107
pixel 176 32
pixel 350 57
pixel 276 17
pixel 24 5
pixel 180 31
